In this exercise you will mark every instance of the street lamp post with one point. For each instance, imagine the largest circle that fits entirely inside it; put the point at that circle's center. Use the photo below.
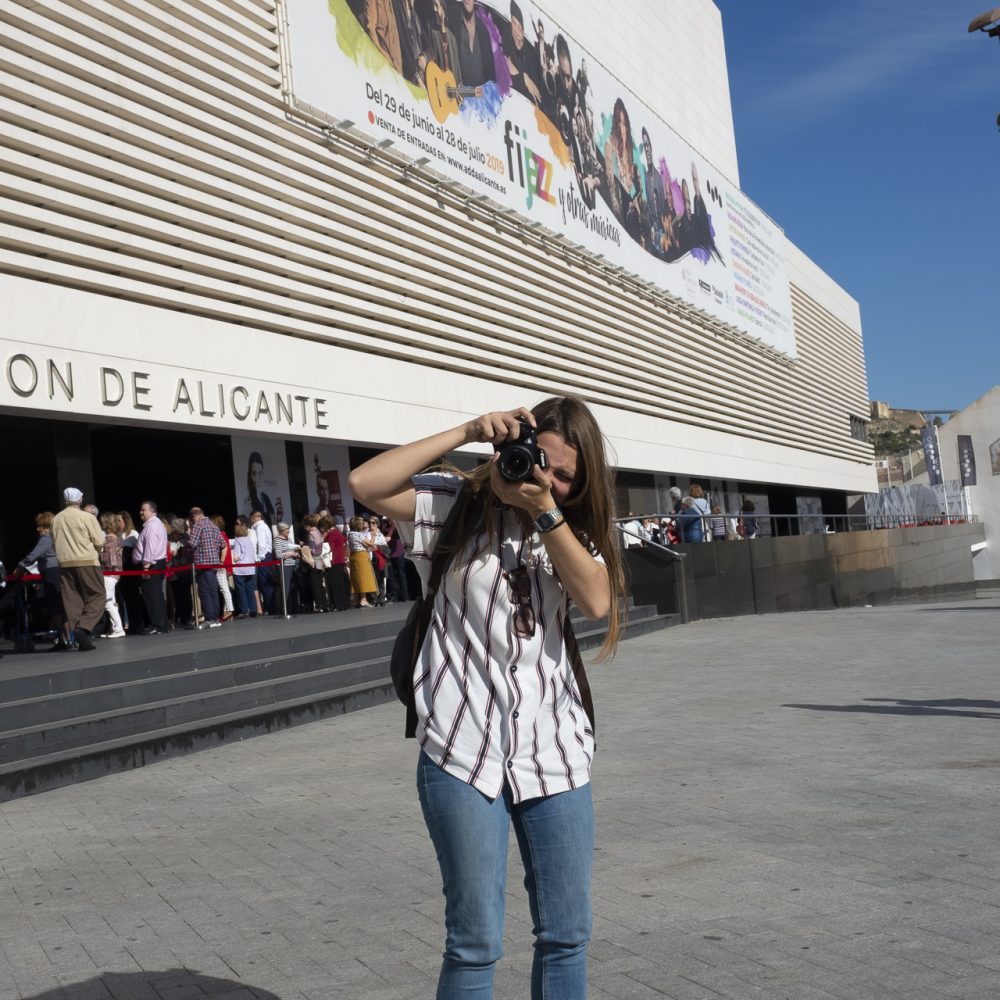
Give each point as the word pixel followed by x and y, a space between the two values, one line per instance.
pixel 989 21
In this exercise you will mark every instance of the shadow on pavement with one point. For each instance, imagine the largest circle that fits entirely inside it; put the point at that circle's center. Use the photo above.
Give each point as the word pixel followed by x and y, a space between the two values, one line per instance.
pixel 964 607
pixel 175 984
pixel 958 707
pixel 941 703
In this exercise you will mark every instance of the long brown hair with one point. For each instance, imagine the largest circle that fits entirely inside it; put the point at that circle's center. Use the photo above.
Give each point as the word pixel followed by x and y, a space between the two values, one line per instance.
pixel 588 508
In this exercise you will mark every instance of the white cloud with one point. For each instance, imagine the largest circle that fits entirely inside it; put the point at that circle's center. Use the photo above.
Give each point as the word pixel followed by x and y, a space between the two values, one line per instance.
pixel 860 53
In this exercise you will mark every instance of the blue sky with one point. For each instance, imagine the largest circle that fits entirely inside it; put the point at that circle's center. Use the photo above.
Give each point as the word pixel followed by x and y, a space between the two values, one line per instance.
pixel 867 130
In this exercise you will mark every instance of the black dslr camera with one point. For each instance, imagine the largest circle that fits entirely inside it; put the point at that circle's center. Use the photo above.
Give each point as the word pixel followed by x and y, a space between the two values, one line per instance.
pixel 518 458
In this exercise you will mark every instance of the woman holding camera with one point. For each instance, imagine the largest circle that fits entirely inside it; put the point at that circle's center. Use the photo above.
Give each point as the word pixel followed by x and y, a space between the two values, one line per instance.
pixel 504 735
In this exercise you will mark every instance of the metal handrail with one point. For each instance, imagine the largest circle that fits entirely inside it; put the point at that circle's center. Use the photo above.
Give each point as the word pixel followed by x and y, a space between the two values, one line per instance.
pixel 654 545
pixel 680 585
pixel 845 522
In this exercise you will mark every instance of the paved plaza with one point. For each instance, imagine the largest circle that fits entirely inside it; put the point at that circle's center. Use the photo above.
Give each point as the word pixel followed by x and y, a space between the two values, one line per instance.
pixel 789 807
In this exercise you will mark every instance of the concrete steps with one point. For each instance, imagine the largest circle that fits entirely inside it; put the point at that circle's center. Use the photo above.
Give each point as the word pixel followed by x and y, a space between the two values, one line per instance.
pixel 76 716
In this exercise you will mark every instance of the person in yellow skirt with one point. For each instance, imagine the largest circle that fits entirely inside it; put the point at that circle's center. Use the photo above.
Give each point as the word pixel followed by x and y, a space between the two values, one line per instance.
pixel 362 575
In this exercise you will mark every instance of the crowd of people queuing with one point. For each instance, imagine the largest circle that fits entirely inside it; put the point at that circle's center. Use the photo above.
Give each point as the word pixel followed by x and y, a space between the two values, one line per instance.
pixel 692 518
pixel 101 574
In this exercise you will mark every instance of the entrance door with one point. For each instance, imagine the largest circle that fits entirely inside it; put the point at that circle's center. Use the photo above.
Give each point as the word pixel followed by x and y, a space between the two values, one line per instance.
pixel 177 470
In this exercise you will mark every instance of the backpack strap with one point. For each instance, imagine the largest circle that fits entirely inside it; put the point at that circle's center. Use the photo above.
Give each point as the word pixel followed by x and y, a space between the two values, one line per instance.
pixel 576 662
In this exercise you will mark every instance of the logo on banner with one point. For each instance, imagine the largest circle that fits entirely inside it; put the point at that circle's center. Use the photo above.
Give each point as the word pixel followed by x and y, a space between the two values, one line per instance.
pixel 932 454
pixel 534 172
pixel 966 460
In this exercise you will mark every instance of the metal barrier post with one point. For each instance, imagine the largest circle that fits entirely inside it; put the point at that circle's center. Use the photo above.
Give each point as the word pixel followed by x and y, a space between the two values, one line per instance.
pixel 682 603
pixel 284 594
pixel 23 640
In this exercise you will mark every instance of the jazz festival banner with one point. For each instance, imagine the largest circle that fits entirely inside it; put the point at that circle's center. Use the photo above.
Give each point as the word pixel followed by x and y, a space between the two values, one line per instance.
pixel 499 98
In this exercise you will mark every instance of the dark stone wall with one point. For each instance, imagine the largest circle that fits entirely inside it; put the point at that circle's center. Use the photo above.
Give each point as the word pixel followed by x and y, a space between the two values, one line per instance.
pixel 807 572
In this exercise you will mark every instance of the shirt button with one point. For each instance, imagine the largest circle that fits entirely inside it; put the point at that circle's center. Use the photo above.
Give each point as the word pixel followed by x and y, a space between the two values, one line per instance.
pixel 510 765
pixel 517 715
pixel 513 669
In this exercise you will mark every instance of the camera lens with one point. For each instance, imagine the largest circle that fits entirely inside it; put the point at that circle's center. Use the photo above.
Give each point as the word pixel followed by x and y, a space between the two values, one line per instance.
pixel 515 464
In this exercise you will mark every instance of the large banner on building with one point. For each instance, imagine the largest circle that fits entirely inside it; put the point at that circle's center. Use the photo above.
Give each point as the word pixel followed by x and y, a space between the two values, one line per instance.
pixel 498 97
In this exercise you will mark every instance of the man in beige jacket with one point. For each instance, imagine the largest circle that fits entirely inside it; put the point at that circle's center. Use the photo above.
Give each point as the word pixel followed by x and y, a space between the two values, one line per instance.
pixel 78 540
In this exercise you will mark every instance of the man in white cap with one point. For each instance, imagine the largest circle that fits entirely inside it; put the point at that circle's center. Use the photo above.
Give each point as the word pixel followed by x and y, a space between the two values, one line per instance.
pixel 78 540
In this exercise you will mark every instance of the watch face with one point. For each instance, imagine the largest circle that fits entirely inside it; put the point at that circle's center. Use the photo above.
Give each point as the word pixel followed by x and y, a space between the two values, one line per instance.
pixel 548 519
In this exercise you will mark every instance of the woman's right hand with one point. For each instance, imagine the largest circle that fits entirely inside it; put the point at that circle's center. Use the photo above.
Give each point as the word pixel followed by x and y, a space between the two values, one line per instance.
pixel 496 427
pixel 385 483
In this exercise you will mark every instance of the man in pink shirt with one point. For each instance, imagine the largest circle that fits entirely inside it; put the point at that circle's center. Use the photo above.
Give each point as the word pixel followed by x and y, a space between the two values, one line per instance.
pixel 150 553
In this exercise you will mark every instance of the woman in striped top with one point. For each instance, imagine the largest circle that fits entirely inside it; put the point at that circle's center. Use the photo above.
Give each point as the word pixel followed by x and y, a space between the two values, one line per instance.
pixel 505 739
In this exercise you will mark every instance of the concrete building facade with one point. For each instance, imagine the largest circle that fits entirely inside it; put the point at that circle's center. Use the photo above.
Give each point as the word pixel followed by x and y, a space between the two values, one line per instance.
pixel 979 421
pixel 189 268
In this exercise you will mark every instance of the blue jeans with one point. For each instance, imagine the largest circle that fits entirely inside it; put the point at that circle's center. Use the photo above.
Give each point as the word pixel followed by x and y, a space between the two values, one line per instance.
pixel 208 592
pixel 556 839
pixel 246 593
pixel 265 584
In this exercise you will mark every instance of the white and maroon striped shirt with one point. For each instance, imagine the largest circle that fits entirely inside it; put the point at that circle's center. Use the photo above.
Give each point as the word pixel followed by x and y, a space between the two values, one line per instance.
pixel 490 704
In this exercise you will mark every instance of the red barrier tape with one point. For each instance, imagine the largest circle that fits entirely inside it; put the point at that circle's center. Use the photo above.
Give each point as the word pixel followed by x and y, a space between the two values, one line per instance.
pixel 169 571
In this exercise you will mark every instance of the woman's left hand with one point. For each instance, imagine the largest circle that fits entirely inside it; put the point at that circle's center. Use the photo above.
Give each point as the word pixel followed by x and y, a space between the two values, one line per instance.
pixel 534 496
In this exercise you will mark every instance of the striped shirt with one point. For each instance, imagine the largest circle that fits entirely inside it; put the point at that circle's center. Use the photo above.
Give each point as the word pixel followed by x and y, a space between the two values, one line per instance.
pixel 492 705
pixel 284 549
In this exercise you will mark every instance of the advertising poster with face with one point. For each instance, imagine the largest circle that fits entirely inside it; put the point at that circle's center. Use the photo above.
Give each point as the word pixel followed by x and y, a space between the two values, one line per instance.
pixel 261 473
pixel 327 466
pixel 498 97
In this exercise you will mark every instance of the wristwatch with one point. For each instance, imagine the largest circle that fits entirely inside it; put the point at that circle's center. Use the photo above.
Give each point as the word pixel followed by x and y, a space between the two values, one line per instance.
pixel 548 520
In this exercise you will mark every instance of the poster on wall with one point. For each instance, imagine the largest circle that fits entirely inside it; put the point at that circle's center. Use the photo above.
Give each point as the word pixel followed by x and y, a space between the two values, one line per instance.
pixel 915 504
pixel 501 99
pixel 327 467
pixel 810 511
pixel 261 473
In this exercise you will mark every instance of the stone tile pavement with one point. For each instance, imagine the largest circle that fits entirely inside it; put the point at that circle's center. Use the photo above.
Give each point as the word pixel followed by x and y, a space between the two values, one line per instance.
pixel 790 807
